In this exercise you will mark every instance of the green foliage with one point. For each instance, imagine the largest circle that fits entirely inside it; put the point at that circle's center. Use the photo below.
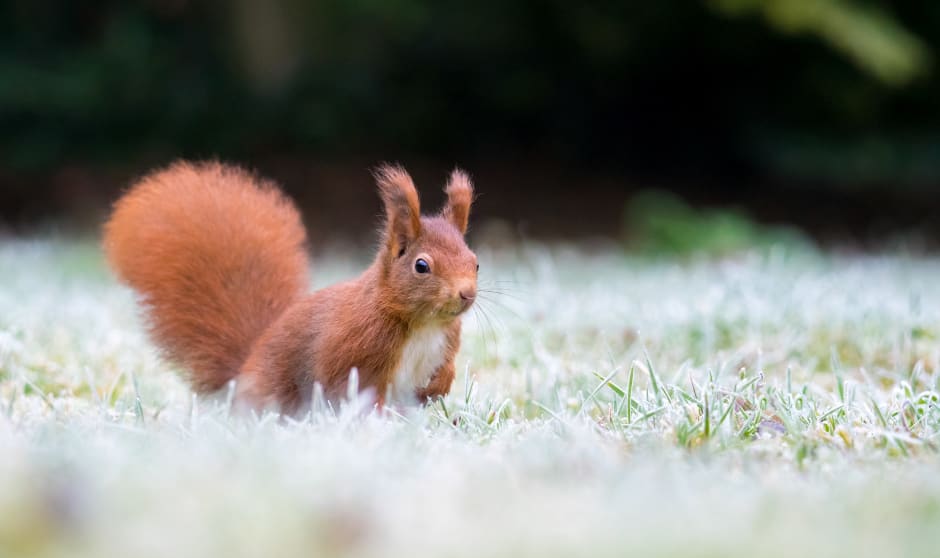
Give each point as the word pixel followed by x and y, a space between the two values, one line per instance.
pixel 603 82
pixel 866 33
pixel 657 222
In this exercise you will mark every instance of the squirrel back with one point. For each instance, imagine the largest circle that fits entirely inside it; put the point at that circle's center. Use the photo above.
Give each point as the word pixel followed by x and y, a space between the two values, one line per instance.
pixel 216 255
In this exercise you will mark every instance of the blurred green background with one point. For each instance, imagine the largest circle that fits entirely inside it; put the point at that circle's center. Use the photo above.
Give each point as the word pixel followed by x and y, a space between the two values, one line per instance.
pixel 822 114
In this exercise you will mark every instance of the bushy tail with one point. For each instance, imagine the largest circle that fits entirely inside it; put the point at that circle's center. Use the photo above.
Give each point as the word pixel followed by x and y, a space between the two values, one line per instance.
pixel 216 255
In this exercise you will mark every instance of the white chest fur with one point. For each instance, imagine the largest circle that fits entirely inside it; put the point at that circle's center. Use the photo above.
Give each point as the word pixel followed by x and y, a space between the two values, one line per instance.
pixel 422 354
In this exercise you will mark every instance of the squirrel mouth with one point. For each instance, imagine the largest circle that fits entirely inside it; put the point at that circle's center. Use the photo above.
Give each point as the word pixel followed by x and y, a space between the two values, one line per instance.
pixel 465 305
pixel 452 312
pixel 453 308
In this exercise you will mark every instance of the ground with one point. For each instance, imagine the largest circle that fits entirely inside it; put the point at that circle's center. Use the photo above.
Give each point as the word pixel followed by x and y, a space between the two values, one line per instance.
pixel 772 403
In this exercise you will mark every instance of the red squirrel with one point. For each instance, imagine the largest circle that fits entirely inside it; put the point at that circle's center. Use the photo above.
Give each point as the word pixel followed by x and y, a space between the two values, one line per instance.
pixel 218 257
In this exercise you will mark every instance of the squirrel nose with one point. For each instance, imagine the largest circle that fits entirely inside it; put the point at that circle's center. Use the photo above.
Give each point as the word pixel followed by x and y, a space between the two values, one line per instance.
pixel 467 295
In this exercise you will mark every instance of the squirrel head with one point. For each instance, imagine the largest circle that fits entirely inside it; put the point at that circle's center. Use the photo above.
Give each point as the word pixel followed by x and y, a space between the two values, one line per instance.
pixel 428 274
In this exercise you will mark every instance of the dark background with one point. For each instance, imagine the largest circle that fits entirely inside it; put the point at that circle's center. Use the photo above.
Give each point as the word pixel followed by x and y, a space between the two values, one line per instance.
pixel 823 114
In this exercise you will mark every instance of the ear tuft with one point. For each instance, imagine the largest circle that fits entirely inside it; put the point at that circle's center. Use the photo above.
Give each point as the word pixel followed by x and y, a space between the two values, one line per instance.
pixel 402 208
pixel 459 191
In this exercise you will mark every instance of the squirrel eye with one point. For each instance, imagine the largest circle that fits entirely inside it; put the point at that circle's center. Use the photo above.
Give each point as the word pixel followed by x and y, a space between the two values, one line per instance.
pixel 422 266
pixel 478 267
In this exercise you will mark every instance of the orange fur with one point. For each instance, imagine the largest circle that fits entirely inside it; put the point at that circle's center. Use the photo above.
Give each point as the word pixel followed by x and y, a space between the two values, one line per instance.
pixel 217 256
pixel 459 197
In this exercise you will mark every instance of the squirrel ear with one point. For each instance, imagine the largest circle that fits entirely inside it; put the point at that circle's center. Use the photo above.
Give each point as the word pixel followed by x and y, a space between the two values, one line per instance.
pixel 459 197
pixel 402 210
